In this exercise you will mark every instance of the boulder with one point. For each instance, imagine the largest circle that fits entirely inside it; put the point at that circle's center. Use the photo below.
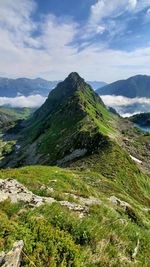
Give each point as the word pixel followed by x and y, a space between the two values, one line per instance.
pixel 118 202
pixel 13 257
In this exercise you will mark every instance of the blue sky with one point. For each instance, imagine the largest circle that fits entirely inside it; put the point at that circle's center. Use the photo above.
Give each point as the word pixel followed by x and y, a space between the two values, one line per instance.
pixel 103 40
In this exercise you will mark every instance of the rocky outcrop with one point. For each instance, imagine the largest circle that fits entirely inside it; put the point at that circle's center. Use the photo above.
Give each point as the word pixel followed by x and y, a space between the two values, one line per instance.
pixel 118 202
pixel 13 257
pixel 16 192
pixel 82 210
pixel 13 190
pixel 86 201
pixel 75 154
pixel 125 206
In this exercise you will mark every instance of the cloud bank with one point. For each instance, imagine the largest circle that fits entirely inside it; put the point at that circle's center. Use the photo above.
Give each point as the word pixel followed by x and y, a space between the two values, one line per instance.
pixel 112 100
pixel 127 106
pixel 123 105
pixel 31 101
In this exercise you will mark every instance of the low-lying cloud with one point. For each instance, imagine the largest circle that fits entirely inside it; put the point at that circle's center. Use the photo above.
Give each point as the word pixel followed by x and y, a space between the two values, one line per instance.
pixel 110 100
pixel 31 101
pixel 127 106
pixel 124 106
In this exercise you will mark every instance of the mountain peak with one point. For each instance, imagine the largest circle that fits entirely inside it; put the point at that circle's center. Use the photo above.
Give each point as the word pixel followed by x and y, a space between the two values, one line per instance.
pixel 68 87
pixel 74 76
pixel 74 80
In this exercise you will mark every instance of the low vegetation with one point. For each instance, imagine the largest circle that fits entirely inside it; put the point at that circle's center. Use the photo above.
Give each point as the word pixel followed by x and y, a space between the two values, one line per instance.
pixel 55 236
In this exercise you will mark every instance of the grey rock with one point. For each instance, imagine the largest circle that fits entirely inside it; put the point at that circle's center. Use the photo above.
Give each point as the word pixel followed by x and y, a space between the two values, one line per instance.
pixel 116 201
pixel 82 210
pixel 13 257
pixel 75 154
pixel 13 190
pixel 86 201
pixel 2 257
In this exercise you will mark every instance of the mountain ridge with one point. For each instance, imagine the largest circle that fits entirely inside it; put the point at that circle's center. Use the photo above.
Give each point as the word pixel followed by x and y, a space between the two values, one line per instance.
pixel 26 86
pixel 135 86
pixel 68 122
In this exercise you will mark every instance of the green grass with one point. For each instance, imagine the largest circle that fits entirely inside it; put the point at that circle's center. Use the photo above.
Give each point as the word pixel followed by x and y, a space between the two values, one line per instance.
pixel 60 236
pixel 17 113
pixel 113 162
pixel 5 148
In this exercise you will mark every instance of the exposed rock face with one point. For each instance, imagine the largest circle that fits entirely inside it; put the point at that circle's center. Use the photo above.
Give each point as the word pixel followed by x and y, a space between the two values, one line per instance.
pixel 13 257
pixel 75 154
pixel 13 190
pixel 86 201
pixel 82 210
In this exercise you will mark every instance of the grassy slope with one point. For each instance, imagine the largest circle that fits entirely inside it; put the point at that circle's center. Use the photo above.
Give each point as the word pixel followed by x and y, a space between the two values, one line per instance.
pixel 99 239
pixel 17 113
pixel 10 116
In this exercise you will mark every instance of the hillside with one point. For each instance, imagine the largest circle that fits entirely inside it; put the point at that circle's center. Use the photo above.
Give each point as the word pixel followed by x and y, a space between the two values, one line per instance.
pixel 142 119
pixel 73 218
pixel 136 86
pixel 17 113
pixel 11 118
pixel 5 121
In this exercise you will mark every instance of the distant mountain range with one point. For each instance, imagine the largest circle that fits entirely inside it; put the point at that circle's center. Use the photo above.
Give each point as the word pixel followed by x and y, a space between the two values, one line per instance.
pixel 27 87
pixel 129 96
pixel 136 86
pixel 96 84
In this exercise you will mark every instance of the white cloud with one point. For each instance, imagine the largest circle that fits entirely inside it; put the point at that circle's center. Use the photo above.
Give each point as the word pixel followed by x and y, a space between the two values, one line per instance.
pixel 133 4
pixel 114 8
pixel 127 106
pixel 25 55
pixel 104 12
pixel 111 100
pixel 31 101
pixel 15 20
